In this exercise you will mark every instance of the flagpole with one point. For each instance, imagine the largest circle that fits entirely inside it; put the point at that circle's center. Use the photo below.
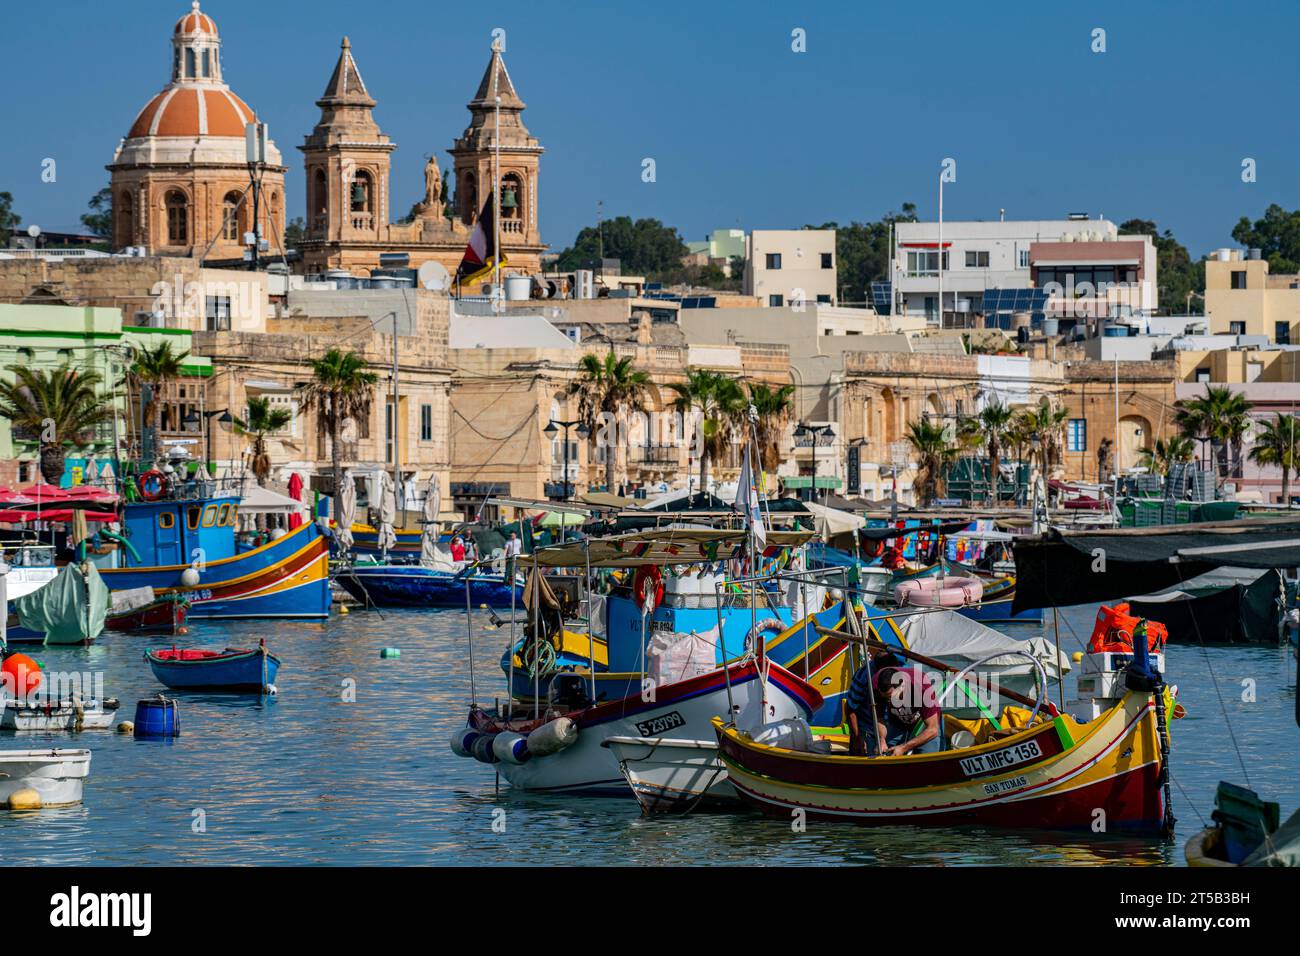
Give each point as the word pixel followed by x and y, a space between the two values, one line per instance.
pixel 496 200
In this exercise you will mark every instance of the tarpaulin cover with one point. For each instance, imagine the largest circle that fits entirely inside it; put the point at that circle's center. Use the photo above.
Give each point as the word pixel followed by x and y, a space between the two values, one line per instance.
pixel 882 534
pixel 1062 568
pixel 69 610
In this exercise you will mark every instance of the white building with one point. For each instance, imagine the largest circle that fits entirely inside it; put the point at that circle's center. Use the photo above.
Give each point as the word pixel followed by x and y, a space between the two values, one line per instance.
pixel 790 266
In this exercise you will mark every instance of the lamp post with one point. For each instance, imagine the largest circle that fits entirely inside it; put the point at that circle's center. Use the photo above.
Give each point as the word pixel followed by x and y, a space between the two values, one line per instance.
pixel 550 431
pixel 815 432
pixel 193 418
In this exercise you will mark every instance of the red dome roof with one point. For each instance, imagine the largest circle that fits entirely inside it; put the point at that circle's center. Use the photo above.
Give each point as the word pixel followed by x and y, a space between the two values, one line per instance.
pixel 195 22
pixel 193 111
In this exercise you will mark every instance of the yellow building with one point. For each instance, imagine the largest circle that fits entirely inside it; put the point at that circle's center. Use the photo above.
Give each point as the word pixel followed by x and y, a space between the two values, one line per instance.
pixel 1242 298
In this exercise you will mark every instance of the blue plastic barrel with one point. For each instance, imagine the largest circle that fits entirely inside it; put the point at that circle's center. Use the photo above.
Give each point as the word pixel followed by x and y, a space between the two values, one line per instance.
pixel 157 717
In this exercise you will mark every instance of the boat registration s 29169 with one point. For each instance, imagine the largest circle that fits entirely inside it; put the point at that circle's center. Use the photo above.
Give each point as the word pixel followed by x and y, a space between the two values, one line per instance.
pixel 657 725
pixel 996 760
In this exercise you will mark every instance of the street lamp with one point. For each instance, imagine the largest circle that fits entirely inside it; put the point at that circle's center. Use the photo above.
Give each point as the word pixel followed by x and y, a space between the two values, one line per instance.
pixel 815 432
pixel 550 431
pixel 193 418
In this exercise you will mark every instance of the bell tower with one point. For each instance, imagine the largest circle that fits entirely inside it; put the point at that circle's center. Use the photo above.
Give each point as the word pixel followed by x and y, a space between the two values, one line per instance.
pixel 346 160
pixel 495 106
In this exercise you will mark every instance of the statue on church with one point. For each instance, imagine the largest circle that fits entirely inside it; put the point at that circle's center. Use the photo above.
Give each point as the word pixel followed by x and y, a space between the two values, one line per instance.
pixel 433 201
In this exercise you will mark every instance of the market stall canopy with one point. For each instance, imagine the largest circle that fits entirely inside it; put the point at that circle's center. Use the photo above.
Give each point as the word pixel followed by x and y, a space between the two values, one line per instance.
pixel 560 519
pixel 660 546
pixel 259 500
pixel 1061 568
pixel 603 499
pixel 832 521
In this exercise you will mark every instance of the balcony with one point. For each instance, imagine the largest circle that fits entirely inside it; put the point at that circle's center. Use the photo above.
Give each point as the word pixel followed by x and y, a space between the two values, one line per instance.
pixel 363 221
pixel 512 227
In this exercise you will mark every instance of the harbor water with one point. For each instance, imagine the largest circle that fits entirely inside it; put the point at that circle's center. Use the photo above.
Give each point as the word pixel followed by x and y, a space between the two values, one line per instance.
pixel 349 765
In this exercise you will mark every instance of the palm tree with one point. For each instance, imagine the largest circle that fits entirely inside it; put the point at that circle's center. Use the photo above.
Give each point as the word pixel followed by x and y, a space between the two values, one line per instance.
pixel 610 385
pixel 58 408
pixel 1275 444
pixel 930 442
pixel 340 390
pixel 262 421
pixel 720 403
pixel 773 407
pixel 1040 427
pixel 155 367
pixel 995 423
pixel 1166 452
pixel 1221 418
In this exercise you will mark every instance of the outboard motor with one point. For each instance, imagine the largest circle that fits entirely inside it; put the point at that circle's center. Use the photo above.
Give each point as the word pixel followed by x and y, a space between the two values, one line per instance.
pixel 570 691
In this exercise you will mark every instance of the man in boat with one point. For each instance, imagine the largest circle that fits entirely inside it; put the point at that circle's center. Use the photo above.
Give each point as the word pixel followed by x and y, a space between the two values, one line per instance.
pixel 457 549
pixel 865 707
pixel 899 709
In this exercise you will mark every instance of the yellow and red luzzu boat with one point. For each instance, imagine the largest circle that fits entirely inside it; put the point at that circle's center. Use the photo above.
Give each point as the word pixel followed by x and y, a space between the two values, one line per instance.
pixel 1056 773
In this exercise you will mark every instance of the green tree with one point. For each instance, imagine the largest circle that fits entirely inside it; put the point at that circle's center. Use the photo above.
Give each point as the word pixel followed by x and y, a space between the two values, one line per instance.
pixel 929 439
pixel 57 408
pixel 100 218
pixel 263 419
pixel 340 390
pixel 295 231
pixel 610 386
pixel 1182 280
pixel 995 425
pixel 772 406
pixel 1220 417
pixel 862 253
pixel 155 366
pixel 1276 234
pixel 9 220
pixel 1040 429
pixel 720 404
pixel 1276 444
pixel 644 247
pixel 1165 452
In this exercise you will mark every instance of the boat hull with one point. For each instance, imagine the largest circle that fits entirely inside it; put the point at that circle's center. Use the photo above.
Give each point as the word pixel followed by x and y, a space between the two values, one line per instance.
pixel 673 776
pixel 165 616
pixel 244 671
pixel 285 578
pixel 419 587
pixel 1056 775
pixel 58 776
pixel 40 716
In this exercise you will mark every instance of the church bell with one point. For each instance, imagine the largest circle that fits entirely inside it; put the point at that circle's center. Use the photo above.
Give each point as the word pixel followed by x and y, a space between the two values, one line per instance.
pixel 358 193
pixel 508 199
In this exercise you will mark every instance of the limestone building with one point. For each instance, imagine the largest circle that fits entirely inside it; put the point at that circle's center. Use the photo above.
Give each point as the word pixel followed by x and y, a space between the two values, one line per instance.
pixel 180 180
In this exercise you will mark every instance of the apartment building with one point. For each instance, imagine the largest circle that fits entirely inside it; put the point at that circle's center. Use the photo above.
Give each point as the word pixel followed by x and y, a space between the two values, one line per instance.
pixel 791 267
pixel 1243 298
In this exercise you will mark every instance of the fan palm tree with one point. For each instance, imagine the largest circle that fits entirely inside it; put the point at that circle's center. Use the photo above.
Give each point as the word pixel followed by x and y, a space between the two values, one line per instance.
pixel 609 385
pixel 1221 418
pixel 263 419
pixel 720 403
pixel 57 408
pixel 1276 444
pixel 930 442
pixel 155 366
pixel 341 389
pixel 772 407
pixel 1166 452
pixel 995 424
pixel 1042 430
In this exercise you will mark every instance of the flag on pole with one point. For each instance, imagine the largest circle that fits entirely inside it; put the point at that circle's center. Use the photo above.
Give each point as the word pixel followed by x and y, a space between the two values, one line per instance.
pixel 477 262
pixel 747 502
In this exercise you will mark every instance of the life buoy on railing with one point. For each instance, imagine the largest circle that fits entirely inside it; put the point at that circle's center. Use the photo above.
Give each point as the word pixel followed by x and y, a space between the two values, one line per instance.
pixel 152 485
pixel 648 587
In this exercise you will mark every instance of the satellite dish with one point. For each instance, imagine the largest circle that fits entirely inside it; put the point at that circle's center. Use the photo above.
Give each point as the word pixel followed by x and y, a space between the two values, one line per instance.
pixel 33 230
pixel 434 275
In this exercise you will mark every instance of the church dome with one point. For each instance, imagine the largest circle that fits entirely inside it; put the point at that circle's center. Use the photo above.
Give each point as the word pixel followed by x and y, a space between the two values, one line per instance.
pixel 196 21
pixel 193 111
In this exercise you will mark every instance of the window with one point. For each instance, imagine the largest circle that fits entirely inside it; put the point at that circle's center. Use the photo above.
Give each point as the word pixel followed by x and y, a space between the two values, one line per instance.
pixel 223 516
pixel 977 260
pixel 192 517
pixel 176 64
pixel 1239 278
pixel 190 69
pixel 1023 259
pixel 166 519
pixel 217 313
pixel 828 260
pixel 209 516
pixel 1282 333
pixel 776 301
pixel 1076 435
pixel 206 62
pixel 1202 375
pixel 388 430
pixel 1236 328
pixel 230 216
pixel 178 225
pixel 824 299
pixel 774 260
pixel 924 263
pixel 426 423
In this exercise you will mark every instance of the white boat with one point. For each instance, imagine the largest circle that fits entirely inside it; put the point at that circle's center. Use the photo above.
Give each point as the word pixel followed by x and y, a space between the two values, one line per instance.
pixel 74 715
pixel 667 775
pixel 57 776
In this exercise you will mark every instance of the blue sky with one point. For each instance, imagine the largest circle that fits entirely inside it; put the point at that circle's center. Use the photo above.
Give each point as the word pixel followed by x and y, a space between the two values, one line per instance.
pixel 744 132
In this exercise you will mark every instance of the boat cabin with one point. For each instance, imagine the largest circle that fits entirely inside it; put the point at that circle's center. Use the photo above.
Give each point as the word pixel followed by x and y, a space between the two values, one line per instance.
pixel 171 532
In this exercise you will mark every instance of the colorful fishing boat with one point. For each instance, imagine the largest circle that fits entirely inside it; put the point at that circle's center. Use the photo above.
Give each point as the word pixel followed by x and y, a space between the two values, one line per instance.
pixel 188 547
pixel 165 615
pixel 234 669
pixel 412 585
pixel 365 541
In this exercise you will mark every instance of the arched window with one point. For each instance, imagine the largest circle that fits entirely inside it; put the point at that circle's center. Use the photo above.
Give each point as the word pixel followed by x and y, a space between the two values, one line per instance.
pixel 125 220
pixel 512 196
pixel 230 216
pixel 178 218
pixel 362 192
pixel 469 205
pixel 319 202
pixel 191 64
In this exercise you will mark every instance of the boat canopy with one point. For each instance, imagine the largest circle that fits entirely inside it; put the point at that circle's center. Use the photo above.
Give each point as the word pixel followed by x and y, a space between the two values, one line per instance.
pixel 832 521
pixel 659 546
pixel 258 500
pixel 1062 568
pixel 958 641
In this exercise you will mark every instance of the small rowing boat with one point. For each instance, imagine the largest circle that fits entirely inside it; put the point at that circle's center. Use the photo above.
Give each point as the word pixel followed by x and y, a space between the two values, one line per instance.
pixel 234 668
pixel 71 714
pixel 57 777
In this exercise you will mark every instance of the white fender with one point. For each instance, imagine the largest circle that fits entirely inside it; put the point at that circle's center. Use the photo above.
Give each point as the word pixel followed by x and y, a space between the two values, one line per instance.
pixel 552 737
pixel 462 741
pixel 483 751
pixel 511 747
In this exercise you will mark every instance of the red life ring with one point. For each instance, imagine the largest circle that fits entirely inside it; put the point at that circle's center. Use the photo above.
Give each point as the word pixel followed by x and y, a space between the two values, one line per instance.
pixel 155 476
pixel 651 575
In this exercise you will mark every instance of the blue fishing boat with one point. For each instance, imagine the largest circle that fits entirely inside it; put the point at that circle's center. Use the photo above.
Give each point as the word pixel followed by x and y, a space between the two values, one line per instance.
pixel 187 546
pixel 230 669
pixel 413 585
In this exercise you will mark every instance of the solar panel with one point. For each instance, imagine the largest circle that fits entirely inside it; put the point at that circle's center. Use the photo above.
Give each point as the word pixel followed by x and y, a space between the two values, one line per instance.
pixel 882 297
pixel 1006 301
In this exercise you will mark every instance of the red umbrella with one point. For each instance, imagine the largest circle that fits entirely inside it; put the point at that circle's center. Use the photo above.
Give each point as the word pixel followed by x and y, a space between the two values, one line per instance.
pixel 295 492
pixel 16 516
